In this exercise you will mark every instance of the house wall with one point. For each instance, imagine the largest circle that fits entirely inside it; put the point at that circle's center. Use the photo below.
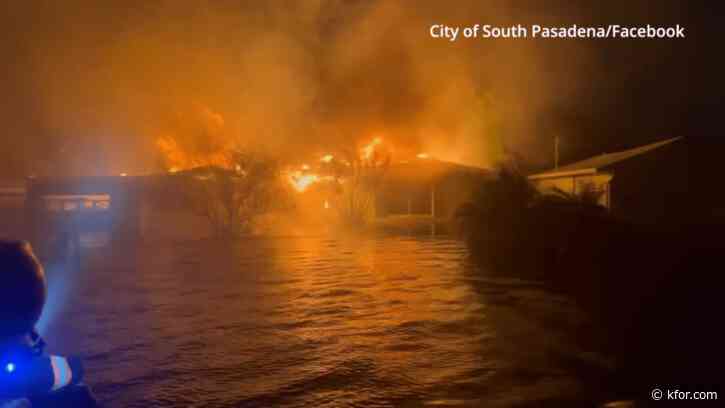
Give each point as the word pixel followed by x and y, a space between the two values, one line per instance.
pixel 673 184
pixel 575 184
pixel 59 207
pixel 403 200
pixel 158 224
pixel 445 195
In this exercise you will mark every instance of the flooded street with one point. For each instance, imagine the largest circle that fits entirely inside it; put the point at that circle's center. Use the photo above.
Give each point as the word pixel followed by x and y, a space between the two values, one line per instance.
pixel 316 322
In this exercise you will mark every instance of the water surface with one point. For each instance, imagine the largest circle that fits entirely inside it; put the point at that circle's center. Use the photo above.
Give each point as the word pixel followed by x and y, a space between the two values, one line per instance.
pixel 316 322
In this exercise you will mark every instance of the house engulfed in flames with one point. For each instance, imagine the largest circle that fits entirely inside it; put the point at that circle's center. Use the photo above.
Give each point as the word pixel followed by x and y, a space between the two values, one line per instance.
pixel 419 186
pixel 117 207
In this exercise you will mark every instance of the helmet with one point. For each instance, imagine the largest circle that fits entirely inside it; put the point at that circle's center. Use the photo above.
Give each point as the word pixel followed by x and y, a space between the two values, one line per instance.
pixel 22 288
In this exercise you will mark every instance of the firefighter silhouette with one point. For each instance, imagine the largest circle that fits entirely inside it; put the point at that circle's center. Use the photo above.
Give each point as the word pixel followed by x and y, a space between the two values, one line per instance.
pixel 28 375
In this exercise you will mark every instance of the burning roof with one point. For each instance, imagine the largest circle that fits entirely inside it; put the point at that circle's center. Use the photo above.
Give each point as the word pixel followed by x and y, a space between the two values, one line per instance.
pixel 373 158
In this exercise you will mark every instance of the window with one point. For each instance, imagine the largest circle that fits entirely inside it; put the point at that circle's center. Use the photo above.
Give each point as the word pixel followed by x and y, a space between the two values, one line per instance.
pixel 70 202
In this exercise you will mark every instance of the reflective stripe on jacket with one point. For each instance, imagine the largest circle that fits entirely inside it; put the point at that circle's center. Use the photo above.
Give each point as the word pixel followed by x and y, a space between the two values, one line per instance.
pixel 38 375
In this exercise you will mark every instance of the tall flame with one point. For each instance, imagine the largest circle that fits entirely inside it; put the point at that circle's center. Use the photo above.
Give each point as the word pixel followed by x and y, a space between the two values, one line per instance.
pixel 177 159
pixel 197 139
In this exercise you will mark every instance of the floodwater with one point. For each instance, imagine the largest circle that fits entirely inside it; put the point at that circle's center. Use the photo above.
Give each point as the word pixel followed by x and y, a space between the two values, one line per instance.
pixel 316 322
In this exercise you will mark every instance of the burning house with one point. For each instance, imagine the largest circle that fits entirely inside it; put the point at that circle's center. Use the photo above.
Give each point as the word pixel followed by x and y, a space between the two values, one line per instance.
pixel 418 190
pixel 195 202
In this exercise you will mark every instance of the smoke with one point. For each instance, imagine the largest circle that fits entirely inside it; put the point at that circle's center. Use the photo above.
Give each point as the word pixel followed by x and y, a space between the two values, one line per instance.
pixel 96 84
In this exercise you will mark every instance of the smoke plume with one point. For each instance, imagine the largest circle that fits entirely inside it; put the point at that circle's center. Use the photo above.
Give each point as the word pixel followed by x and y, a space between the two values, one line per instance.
pixel 92 86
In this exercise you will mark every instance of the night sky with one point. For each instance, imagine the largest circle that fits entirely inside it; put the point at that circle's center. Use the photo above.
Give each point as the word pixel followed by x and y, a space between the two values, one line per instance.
pixel 88 85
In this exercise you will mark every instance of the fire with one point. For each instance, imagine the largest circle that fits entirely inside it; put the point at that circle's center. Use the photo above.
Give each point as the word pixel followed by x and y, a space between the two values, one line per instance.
pixel 423 156
pixel 177 159
pixel 303 177
pixel 198 139
pixel 367 151
pixel 301 181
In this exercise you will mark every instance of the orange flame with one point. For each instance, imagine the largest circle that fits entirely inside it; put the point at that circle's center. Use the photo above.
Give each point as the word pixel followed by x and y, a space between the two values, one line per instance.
pixel 180 143
pixel 177 159
pixel 301 181
pixel 367 151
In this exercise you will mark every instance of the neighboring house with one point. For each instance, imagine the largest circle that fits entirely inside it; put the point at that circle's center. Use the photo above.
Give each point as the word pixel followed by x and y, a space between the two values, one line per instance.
pixel 644 184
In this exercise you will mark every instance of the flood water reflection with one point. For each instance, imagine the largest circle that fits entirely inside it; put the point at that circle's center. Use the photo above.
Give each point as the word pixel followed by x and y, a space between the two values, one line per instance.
pixel 318 322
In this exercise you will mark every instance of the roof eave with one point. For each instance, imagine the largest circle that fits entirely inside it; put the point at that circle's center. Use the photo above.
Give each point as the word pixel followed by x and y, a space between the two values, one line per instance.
pixel 556 174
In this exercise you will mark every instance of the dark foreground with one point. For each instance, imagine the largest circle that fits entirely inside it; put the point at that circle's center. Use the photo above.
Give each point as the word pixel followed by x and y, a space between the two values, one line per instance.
pixel 374 322
pixel 654 291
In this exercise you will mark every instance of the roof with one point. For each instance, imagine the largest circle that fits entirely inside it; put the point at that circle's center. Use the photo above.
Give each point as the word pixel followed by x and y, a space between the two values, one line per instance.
pixel 605 160
pixel 424 171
